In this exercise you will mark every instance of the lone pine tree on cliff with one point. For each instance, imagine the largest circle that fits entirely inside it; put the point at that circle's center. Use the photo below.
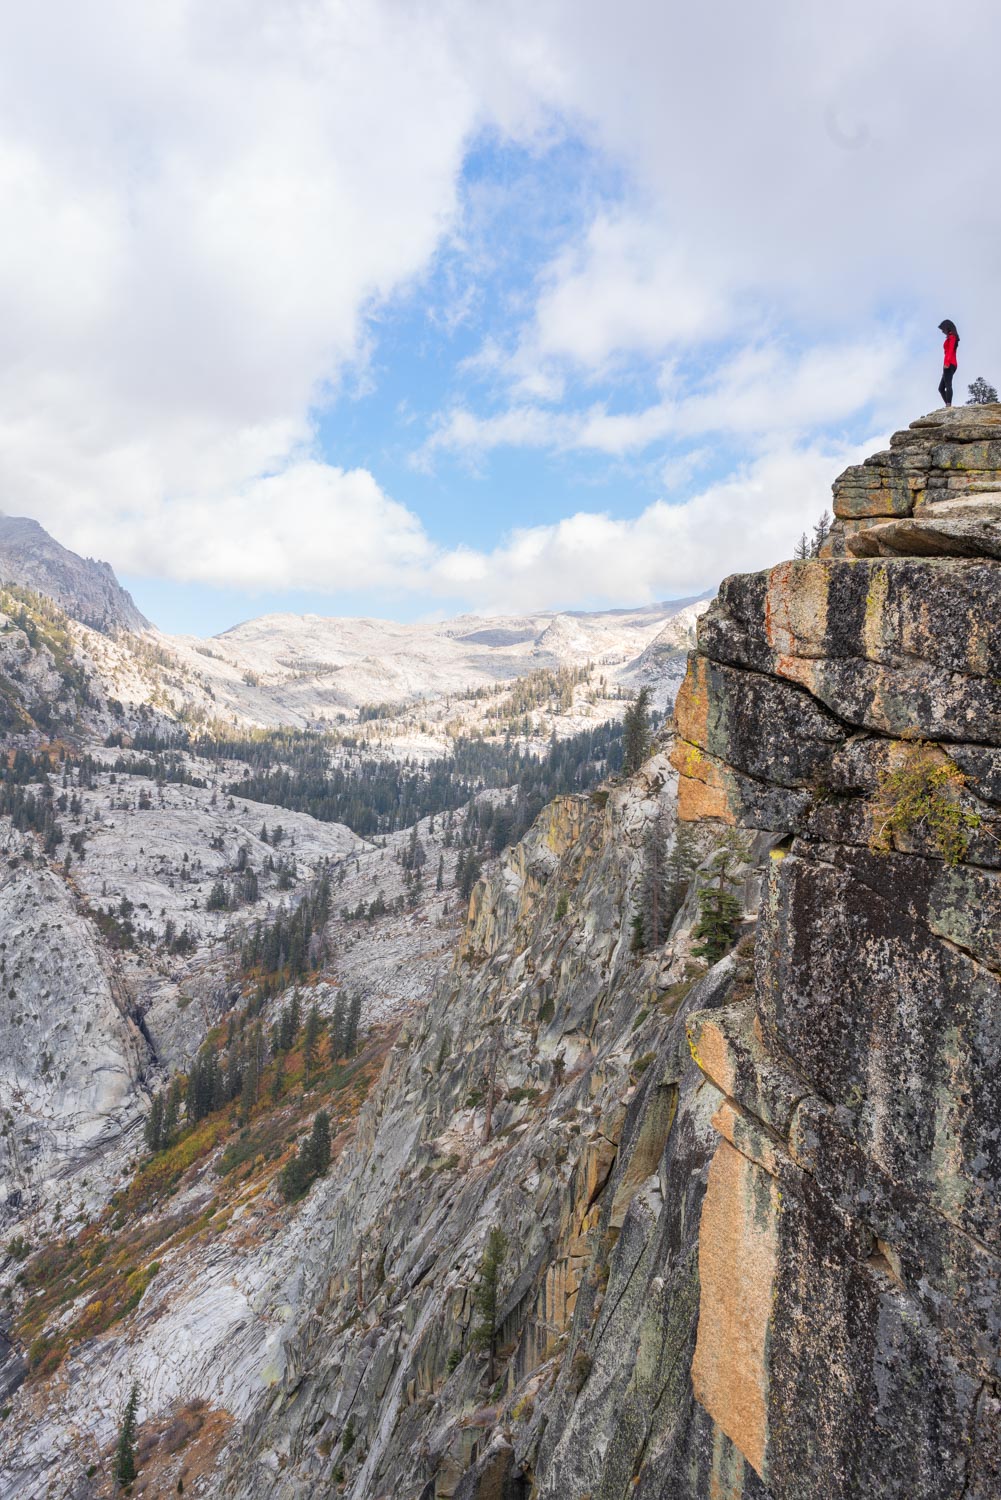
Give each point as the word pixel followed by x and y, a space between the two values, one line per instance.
pixel 486 1298
pixel 636 732
pixel 125 1453
pixel 982 393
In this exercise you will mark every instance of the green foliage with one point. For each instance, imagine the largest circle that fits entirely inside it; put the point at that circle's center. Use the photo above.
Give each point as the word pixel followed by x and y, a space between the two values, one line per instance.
pixel 310 1041
pixel 291 945
pixel 34 811
pixel 923 795
pixel 295 770
pixel 19 1247
pixel 636 733
pixel 667 870
pixel 982 393
pixel 719 920
pixel 125 1453
pixel 310 1161
pixel 485 1294
pixel 345 1022
pixel 562 906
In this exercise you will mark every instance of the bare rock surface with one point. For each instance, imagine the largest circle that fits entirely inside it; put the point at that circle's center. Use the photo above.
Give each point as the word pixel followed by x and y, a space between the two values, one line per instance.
pixel 951 454
pixel 956 528
pixel 72 1059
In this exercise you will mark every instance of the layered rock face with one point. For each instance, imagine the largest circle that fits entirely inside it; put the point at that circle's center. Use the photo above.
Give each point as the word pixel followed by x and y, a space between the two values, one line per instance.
pixel 951 455
pixel 850 1238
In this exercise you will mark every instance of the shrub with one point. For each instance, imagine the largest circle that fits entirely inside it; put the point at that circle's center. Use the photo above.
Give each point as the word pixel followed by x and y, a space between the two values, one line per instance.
pixel 922 795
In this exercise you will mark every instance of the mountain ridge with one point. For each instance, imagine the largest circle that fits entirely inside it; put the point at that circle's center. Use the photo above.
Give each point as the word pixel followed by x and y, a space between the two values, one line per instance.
pixel 86 588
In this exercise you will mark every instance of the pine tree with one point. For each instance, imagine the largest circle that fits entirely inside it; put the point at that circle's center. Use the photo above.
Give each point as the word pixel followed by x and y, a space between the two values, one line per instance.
pixel 821 532
pixel 251 1084
pixel 125 1453
pixel 485 1297
pixel 318 1145
pixel 682 862
pixel 719 909
pixel 153 1129
pixel 718 923
pixel 439 884
pixel 310 1042
pixel 278 1078
pixel 636 733
pixel 292 1179
pixel 655 893
pixel 982 393
pixel 171 1112
pixel 471 872
pixel 802 549
pixel 338 1027
pixel 353 1022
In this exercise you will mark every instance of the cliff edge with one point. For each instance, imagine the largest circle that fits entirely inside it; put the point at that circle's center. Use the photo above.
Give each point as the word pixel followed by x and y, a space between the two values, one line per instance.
pixel 850 1238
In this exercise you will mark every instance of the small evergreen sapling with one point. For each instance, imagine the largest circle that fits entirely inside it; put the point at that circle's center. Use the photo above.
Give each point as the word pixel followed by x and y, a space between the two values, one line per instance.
pixel 310 1042
pixel 719 909
pixel 486 1297
pixel 125 1453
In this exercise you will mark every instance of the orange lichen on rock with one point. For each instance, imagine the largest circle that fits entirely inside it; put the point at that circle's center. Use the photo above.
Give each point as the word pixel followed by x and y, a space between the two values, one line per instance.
pixel 738 1262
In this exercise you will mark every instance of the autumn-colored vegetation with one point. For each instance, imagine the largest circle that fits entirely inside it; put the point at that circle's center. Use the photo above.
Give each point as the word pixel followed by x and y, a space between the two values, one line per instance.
pixel 80 1286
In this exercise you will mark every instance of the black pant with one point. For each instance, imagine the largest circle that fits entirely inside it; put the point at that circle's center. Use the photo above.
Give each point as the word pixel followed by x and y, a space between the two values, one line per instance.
pixel 945 384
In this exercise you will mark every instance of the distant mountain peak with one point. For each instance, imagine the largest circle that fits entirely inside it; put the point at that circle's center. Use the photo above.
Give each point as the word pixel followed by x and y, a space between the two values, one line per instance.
pixel 85 588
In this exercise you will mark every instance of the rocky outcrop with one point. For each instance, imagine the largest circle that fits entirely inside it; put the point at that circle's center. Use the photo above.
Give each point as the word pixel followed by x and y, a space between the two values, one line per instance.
pixel 72 1059
pixel 87 590
pixel 850 1240
pixel 954 453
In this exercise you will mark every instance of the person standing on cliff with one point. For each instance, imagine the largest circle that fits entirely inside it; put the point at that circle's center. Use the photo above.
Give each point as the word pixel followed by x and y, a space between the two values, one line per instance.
pixel 948 327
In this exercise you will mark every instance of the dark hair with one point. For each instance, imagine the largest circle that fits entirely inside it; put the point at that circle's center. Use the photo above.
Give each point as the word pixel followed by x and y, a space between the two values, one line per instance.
pixel 948 326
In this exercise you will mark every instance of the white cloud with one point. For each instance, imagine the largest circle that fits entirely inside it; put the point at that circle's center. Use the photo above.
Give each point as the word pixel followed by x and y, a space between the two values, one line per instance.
pixel 317 527
pixel 311 526
pixel 758 395
pixel 200 206
pixel 203 205
pixel 747 522
pixel 631 286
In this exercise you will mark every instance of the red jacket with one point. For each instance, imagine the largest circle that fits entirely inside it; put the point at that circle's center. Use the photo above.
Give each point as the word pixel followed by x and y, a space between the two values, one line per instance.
pixel 950 350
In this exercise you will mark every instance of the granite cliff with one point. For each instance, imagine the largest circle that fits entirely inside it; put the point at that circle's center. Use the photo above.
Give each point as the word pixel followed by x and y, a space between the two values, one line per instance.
pixel 850 1242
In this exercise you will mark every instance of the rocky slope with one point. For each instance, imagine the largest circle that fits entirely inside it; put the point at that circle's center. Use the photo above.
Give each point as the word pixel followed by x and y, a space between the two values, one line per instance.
pixel 87 590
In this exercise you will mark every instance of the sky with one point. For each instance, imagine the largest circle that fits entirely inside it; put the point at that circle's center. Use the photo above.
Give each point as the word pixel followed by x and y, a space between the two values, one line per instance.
pixel 410 307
